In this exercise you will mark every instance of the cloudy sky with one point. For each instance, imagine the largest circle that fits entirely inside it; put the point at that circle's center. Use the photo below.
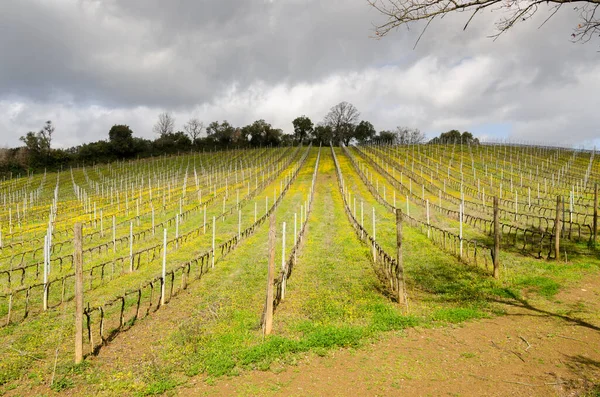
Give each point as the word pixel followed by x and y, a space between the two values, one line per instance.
pixel 89 64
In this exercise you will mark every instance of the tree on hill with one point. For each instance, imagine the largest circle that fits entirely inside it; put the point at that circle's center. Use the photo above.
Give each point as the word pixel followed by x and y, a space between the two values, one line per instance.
pixel 323 134
pixel 38 144
pixel 33 142
pixel 262 133
pixel 165 124
pixel 342 119
pixel 222 134
pixel 386 136
pixel 409 136
pixel 46 134
pixel 455 137
pixel 407 12
pixel 173 142
pixel 364 131
pixel 120 138
pixel 303 128
pixel 194 128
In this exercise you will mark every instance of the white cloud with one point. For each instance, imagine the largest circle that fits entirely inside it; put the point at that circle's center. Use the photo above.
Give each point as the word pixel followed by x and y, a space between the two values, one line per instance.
pixel 123 62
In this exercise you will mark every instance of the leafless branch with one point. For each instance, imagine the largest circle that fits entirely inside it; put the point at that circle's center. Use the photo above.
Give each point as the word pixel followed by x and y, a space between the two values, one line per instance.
pixel 424 29
pixel 194 128
pixel 556 8
pixel 165 124
pixel 405 12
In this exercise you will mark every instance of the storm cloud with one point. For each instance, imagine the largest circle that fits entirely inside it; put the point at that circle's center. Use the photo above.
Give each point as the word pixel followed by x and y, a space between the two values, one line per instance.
pixel 89 64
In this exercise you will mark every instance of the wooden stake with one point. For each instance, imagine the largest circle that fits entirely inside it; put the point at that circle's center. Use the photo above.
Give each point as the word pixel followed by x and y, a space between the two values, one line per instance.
pixel 130 247
pixel 595 221
pixel 164 269
pixel 428 223
pixel 399 260
pixel 213 242
pixel 460 230
pixel 176 231
pixel 78 262
pixel 557 228
pixel 362 218
pixel 114 233
pixel 283 278
pixel 45 303
pixel 268 325
pixel 496 252
pixel 374 231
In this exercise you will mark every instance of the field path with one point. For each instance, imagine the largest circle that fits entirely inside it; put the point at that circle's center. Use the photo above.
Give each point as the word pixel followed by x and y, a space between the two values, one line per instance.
pixel 524 353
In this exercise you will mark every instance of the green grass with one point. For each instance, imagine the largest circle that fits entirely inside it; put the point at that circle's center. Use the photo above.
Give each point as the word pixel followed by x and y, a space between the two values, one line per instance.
pixel 385 318
pixel 457 315
pixel 339 308
pixel 544 286
pixel 62 383
pixel 28 346
pixel 334 299
pixel 157 381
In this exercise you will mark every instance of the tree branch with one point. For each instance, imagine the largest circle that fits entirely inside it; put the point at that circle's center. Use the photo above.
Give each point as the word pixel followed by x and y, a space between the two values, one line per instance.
pixel 406 12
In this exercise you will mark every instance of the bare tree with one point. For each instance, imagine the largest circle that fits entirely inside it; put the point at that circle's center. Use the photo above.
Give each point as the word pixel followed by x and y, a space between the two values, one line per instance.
pixel 405 12
pixel 194 128
pixel 342 118
pixel 409 136
pixel 416 136
pixel 165 124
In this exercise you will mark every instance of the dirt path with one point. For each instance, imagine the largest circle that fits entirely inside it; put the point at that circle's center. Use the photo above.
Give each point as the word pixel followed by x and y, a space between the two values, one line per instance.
pixel 524 353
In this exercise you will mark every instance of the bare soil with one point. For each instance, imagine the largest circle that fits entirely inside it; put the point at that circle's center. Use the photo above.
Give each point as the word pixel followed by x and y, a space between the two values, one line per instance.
pixel 542 348
pixel 530 351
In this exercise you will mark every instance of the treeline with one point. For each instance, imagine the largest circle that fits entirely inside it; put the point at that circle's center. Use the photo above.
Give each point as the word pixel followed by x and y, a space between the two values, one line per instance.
pixel 341 125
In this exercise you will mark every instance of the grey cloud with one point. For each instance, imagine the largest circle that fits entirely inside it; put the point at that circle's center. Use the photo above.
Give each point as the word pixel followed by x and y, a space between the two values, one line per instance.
pixel 104 51
pixel 91 63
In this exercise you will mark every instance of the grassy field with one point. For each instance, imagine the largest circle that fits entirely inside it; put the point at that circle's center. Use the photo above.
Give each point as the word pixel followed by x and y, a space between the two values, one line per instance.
pixel 334 298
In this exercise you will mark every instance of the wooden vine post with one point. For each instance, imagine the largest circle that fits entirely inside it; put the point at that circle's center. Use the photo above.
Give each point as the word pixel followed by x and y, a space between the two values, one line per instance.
pixel 399 260
pixel 557 228
pixel 283 272
pixel 374 237
pixel 130 247
pixel 46 271
pixel 496 251
pixel 460 228
pixel 78 262
pixel 268 324
pixel 114 234
pixel 213 242
pixel 163 284
pixel 595 226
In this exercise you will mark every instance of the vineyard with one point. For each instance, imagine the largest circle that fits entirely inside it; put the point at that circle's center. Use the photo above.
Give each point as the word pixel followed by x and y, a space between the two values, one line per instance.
pixel 217 262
